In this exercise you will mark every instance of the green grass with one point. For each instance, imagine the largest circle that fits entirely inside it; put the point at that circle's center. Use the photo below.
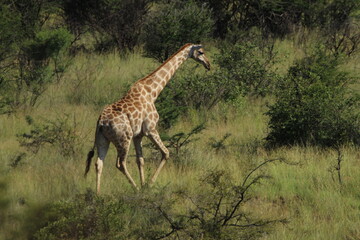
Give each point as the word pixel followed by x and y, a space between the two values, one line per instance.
pixel 306 193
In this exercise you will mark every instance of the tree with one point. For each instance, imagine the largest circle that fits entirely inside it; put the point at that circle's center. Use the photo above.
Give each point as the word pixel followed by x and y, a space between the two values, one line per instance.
pixel 119 20
pixel 173 24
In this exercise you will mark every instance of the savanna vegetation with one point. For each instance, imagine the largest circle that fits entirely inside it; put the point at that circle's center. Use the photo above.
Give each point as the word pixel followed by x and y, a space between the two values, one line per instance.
pixel 263 146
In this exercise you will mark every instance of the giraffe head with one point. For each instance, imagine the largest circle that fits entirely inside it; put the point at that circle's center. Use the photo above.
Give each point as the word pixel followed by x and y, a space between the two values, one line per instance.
pixel 197 53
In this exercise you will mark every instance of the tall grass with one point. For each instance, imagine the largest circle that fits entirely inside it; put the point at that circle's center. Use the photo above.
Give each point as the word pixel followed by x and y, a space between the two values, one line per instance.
pixel 307 193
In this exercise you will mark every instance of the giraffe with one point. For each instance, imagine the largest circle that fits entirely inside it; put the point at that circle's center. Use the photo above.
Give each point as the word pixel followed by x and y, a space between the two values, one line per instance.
pixel 134 116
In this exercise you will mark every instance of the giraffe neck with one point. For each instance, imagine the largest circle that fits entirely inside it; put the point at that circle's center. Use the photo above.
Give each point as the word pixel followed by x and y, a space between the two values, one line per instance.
pixel 155 82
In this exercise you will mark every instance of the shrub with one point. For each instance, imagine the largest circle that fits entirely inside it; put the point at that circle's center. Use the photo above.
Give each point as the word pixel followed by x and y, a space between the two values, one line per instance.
pixel 314 105
pixel 37 62
pixel 173 24
pixel 246 68
pixel 60 133
pixel 35 70
pixel 219 213
pixel 30 53
pixel 169 107
pixel 85 217
pixel 216 212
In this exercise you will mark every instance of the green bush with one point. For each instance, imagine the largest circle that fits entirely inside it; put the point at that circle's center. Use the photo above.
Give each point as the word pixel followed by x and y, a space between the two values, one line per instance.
pixel 314 105
pixel 173 24
pixel 86 217
pixel 47 44
pixel 60 133
pixel 32 60
pixel 247 68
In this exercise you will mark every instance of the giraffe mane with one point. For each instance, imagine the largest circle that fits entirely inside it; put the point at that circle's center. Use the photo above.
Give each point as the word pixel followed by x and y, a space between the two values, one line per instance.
pixel 169 58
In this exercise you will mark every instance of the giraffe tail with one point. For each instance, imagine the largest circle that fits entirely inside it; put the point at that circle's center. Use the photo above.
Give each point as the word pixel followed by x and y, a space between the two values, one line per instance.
pixel 88 160
pixel 92 151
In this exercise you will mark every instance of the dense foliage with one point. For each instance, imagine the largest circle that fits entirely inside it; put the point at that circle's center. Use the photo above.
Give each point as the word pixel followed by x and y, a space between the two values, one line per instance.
pixel 113 23
pixel 30 53
pixel 174 24
pixel 314 105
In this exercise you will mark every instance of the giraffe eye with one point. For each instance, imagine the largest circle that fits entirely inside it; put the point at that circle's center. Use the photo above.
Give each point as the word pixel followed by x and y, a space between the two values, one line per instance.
pixel 200 52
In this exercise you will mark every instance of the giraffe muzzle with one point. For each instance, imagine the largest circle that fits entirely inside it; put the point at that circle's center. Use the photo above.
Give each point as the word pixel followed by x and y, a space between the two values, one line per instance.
pixel 207 65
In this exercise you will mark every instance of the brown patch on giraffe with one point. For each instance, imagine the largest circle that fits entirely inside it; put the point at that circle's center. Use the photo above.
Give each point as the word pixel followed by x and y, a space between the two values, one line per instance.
pixel 162 73
pixel 162 83
pixel 138 105
pixel 147 88
pixel 135 89
pixel 151 116
pixel 154 94
pixel 117 108
pixel 117 120
pixel 131 109
pixel 172 71
pixel 152 125
pixel 148 81
pixel 149 108
pixel 166 68
pixel 154 85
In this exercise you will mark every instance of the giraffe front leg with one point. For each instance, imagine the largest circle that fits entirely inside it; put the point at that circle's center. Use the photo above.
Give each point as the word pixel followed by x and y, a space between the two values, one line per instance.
pixel 155 138
pixel 139 158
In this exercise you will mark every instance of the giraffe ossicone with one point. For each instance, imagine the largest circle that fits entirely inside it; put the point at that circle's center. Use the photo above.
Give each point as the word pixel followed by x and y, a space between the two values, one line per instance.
pixel 134 116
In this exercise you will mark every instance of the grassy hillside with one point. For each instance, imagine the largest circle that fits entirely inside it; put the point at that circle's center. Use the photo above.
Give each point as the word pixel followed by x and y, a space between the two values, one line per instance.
pixel 304 191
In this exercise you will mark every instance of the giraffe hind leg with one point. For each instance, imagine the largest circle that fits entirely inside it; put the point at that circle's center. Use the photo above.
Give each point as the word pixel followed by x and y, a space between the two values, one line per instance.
pixel 139 158
pixel 102 146
pixel 122 149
